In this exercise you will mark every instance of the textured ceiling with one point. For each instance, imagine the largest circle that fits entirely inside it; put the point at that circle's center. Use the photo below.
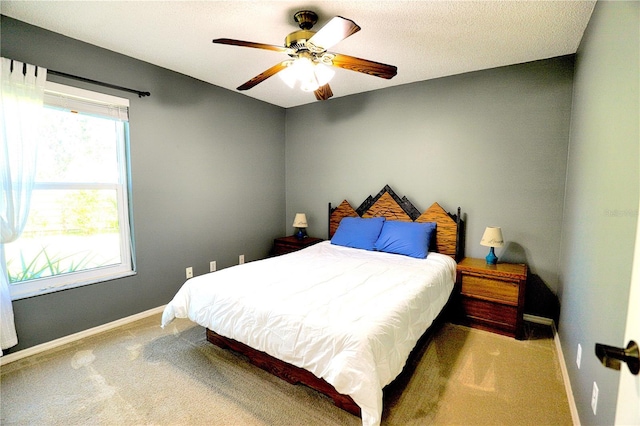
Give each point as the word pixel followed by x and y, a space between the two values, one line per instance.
pixel 424 39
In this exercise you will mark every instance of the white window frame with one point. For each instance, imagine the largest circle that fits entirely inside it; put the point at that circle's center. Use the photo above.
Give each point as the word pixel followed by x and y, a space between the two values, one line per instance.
pixel 75 99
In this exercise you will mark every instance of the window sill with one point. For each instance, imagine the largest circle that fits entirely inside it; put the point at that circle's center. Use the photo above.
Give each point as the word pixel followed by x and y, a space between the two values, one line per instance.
pixel 18 294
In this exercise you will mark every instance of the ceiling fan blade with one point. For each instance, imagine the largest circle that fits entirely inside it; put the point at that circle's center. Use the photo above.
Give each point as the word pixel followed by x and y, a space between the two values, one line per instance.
pixel 336 30
pixel 323 92
pixel 365 66
pixel 263 76
pixel 252 44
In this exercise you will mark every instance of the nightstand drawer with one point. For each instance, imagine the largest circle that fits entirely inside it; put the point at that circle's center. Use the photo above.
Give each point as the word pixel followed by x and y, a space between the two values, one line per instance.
pixel 492 313
pixel 290 244
pixel 491 297
pixel 504 291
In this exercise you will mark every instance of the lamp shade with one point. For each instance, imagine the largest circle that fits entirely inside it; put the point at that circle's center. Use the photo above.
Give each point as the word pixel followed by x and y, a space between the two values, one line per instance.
pixel 300 220
pixel 492 237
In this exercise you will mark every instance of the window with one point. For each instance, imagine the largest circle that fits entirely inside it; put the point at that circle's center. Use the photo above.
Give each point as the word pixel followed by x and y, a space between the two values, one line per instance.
pixel 78 230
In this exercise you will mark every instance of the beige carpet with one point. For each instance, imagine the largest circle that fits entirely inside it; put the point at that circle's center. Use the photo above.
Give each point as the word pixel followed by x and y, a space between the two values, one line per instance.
pixel 140 374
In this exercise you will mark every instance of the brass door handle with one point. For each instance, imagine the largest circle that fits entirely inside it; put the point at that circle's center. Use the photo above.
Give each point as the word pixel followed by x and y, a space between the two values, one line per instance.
pixel 611 357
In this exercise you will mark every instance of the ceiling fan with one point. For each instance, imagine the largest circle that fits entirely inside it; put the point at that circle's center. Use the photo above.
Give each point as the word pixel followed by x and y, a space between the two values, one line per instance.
pixel 309 66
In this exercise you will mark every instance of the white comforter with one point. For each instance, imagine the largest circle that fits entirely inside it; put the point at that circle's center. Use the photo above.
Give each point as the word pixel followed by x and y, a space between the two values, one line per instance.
pixel 348 316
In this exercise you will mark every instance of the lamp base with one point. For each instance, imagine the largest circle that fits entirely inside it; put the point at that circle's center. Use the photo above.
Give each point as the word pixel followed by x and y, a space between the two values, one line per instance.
pixel 300 234
pixel 491 258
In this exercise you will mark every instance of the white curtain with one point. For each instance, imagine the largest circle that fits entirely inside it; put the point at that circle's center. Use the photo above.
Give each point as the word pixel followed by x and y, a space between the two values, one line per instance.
pixel 21 108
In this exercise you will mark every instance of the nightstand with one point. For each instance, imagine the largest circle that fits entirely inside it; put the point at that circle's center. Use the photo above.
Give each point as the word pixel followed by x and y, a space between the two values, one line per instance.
pixel 492 296
pixel 290 244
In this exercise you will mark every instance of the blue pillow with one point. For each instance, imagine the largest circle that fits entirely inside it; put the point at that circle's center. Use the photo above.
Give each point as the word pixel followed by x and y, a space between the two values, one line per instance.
pixel 357 232
pixel 407 238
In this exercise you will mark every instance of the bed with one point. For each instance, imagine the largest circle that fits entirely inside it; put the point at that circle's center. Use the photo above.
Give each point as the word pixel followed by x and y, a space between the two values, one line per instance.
pixel 338 317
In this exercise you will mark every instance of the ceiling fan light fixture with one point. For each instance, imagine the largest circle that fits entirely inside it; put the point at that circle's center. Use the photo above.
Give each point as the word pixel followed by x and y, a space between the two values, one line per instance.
pixel 309 75
pixel 323 73
pixel 309 85
pixel 288 75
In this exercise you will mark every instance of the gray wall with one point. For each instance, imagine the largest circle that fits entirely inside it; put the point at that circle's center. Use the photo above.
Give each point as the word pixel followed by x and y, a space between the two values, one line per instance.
pixel 208 181
pixel 493 142
pixel 601 201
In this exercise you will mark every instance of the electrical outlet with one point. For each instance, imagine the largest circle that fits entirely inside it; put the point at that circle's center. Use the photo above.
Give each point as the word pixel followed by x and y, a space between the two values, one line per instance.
pixel 579 357
pixel 212 266
pixel 594 398
pixel 241 259
pixel 189 272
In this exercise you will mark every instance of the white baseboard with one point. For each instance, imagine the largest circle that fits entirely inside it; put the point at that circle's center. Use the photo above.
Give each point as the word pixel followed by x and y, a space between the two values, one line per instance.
pixel 12 357
pixel 563 366
pixel 565 376
pixel 538 320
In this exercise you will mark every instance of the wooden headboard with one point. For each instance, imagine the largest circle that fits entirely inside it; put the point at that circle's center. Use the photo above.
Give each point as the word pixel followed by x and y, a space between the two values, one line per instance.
pixel 449 237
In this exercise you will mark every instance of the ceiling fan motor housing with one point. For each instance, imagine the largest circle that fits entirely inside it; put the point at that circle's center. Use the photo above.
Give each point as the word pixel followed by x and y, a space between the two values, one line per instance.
pixel 297 40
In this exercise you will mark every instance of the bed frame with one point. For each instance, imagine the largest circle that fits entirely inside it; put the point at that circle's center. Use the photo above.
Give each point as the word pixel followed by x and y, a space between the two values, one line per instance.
pixel 449 240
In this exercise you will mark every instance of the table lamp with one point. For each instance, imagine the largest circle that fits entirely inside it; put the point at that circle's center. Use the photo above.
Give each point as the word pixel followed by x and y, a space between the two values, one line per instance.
pixel 300 222
pixel 492 237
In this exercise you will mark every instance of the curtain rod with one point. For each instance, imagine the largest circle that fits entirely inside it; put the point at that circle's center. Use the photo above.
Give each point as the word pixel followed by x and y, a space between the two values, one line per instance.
pixel 100 83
